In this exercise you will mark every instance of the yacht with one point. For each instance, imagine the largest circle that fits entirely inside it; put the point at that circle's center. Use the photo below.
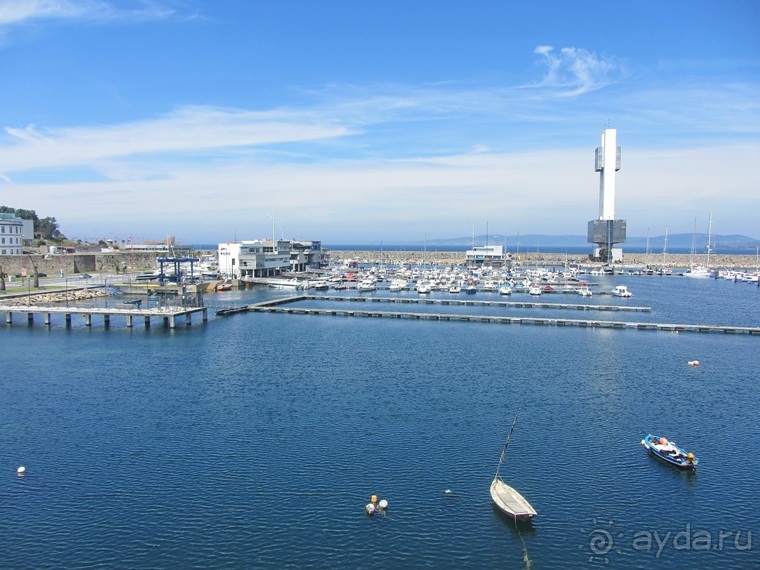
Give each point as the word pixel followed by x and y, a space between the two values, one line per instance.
pixel 621 291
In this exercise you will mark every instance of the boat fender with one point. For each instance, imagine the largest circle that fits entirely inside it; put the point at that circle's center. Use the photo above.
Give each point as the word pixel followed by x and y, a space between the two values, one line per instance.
pixel 370 508
pixel 383 504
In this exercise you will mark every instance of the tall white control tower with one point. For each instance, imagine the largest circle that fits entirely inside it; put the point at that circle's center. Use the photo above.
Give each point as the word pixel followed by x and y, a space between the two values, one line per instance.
pixel 606 231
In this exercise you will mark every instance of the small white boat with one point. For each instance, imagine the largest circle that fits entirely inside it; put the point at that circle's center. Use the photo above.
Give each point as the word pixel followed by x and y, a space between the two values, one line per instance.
pixel 505 290
pixel 699 271
pixel 534 290
pixel 365 286
pixel 584 291
pixel 423 288
pixel 621 291
pixel 507 498
pixel 455 289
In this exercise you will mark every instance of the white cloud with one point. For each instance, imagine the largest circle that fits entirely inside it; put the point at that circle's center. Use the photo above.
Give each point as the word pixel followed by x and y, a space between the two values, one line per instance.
pixel 575 71
pixel 17 12
pixel 188 130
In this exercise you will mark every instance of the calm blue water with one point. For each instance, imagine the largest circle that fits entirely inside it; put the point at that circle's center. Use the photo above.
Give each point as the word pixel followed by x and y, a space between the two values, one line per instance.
pixel 255 441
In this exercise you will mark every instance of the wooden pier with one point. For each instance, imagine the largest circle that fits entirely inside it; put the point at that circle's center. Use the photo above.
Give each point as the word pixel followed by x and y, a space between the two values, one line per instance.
pixel 279 306
pixel 170 315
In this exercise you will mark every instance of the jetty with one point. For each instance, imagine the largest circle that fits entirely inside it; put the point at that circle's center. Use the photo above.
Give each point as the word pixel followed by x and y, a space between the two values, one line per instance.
pixel 282 306
pixel 169 315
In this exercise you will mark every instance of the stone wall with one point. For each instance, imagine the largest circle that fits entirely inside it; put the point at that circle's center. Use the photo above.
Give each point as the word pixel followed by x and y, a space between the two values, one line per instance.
pixel 78 263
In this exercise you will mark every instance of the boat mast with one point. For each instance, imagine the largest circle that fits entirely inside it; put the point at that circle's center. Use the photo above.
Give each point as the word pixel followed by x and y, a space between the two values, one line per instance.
pixel 709 231
pixel 665 246
pixel 509 437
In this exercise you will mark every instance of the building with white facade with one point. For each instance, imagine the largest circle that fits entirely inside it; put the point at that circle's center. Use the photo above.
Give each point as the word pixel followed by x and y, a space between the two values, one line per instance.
pixel 494 255
pixel 267 258
pixel 11 234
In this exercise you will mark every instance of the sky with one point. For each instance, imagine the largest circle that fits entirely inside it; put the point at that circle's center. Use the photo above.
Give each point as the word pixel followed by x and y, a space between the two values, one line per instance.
pixel 377 122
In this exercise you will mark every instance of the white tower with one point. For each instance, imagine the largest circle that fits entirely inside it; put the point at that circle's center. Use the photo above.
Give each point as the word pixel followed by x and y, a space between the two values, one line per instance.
pixel 607 163
pixel 606 231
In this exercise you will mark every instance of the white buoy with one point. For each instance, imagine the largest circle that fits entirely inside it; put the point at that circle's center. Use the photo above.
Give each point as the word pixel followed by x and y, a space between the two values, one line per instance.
pixel 370 509
pixel 383 504
pixel 21 470
pixel 448 491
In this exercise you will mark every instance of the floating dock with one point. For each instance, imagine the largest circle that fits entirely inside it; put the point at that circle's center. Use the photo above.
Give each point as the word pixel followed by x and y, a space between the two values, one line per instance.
pixel 170 315
pixel 279 306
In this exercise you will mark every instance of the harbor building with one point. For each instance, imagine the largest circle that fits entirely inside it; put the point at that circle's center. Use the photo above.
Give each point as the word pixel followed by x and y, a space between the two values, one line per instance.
pixel 267 258
pixel 493 255
pixel 11 234
pixel 605 232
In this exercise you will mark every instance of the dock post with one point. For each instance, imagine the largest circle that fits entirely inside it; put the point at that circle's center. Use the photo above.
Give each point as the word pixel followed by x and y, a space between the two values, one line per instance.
pixel 30 318
pixel 205 315
pixel 68 319
pixel 147 321
pixel 47 319
pixel 87 319
pixel 129 321
pixel 9 317
pixel 106 320
pixel 188 320
pixel 170 320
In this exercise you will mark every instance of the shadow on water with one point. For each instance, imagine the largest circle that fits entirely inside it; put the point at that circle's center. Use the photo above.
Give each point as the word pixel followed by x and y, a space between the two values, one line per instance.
pixel 520 529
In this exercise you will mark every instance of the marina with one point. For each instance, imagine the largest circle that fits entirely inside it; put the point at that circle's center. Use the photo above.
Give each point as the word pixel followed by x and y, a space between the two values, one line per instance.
pixel 201 429
pixel 277 306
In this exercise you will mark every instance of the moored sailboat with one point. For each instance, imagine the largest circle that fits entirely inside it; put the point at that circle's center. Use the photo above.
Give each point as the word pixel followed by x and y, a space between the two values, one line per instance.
pixel 507 498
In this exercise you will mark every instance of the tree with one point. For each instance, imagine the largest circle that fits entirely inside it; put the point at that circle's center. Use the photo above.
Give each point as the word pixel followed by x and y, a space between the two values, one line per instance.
pixel 47 227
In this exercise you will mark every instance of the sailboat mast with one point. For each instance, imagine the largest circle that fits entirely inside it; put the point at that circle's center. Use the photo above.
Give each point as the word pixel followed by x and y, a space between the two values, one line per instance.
pixel 709 231
pixel 506 445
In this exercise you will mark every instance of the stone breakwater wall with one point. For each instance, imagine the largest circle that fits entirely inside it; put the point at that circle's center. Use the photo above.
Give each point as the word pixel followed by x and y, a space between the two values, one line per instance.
pixel 633 260
pixel 78 263
pixel 72 296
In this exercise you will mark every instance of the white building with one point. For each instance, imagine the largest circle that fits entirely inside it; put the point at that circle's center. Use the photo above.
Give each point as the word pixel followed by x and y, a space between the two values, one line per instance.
pixel 11 234
pixel 229 260
pixel 486 255
pixel 265 258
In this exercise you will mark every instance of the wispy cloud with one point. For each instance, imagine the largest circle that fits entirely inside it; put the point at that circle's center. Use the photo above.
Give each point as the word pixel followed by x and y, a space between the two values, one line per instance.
pixel 18 12
pixel 188 130
pixel 575 71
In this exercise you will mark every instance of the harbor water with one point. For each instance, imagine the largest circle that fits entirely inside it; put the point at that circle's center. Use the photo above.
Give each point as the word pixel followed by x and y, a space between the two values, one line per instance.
pixel 256 440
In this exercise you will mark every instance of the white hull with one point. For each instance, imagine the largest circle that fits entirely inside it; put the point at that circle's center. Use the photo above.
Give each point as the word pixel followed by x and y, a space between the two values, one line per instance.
pixel 510 501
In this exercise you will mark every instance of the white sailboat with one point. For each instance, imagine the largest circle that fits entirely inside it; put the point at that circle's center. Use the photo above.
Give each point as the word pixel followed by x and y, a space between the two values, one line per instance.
pixel 703 271
pixel 508 499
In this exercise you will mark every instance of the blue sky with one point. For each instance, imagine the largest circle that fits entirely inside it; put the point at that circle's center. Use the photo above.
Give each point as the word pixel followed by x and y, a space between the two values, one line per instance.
pixel 370 122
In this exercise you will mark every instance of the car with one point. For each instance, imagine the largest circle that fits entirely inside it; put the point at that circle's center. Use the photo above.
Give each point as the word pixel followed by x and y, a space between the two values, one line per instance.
pixel 85 276
pixel 40 274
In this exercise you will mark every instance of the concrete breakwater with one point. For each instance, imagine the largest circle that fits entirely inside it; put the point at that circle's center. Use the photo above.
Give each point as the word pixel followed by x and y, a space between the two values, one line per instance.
pixel 633 261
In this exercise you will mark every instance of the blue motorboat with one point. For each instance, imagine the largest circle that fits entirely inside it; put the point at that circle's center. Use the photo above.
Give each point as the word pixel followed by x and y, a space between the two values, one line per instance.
pixel 668 451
